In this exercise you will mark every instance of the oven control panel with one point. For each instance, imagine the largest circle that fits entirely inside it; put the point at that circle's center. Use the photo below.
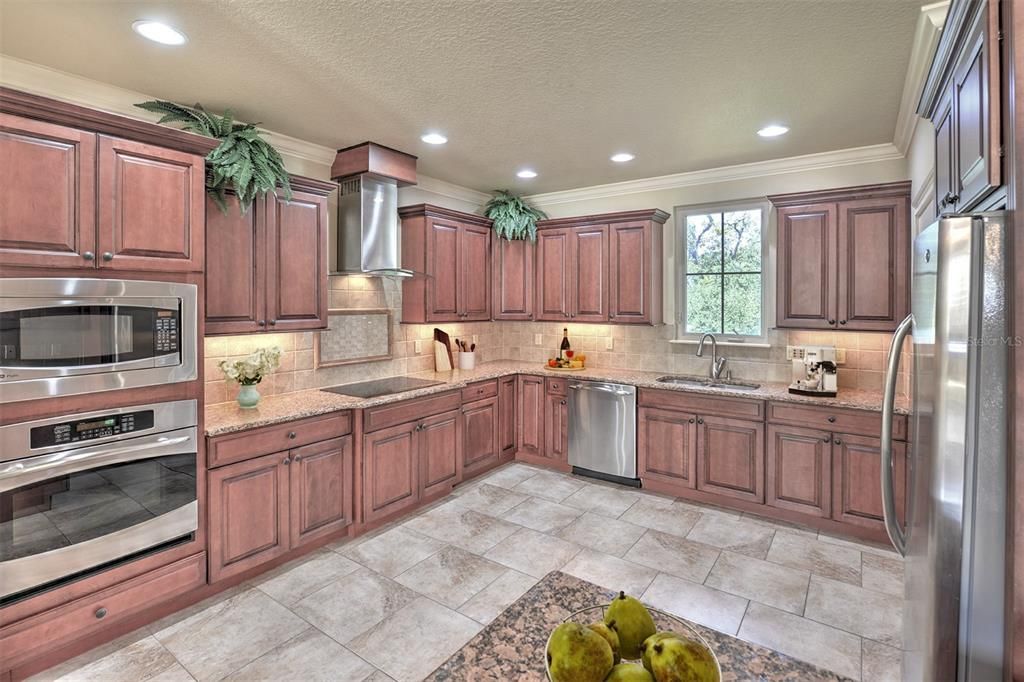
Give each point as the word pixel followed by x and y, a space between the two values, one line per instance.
pixel 93 428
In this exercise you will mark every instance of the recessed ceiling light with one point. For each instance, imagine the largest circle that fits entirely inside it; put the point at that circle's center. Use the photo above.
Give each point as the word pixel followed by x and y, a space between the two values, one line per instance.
pixel 622 157
pixel 773 131
pixel 434 138
pixel 526 173
pixel 159 32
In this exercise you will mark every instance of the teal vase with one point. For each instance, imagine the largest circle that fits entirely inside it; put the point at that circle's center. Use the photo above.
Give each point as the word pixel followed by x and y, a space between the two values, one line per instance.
pixel 248 396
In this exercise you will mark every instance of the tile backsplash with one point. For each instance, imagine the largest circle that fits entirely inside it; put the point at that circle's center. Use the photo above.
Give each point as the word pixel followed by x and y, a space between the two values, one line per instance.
pixel 633 348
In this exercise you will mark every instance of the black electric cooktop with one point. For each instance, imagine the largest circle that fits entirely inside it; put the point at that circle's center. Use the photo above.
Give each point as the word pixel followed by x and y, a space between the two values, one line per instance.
pixel 378 387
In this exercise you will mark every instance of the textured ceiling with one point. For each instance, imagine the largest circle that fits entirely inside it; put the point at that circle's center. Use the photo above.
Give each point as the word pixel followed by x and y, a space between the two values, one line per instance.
pixel 557 86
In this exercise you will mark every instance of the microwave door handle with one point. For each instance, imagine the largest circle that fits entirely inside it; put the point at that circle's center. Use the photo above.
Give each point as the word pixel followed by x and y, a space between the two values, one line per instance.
pixel 892 522
pixel 26 471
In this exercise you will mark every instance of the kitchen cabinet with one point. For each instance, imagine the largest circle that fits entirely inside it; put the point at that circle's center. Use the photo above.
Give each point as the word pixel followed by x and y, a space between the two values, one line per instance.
pixel 588 281
pixel 799 470
pixel 507 406
pixel 531 408
pixel 667 446
pixel 481 447
pixel 556 427
pixel 730 457
pixel 512 287
pixel 267 269
pixel 390 470
pixel 320 489
pixel 450 252
pixel 554 274
pixel 843 258
pixel 440 453
pixel 856 480
pixel 635 275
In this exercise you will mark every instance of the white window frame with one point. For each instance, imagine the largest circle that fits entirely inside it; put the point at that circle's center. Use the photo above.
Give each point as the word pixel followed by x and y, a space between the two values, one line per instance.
pixel 767 230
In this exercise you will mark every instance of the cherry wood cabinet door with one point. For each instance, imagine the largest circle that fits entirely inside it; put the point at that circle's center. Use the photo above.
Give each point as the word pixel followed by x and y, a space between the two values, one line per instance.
pixel 806 296
pixel 296 263
pixel 440 452
pixel 554 274
pixel 945 156
pixel 589 274
pixel 730 457
pixel 507 417
pixel 512 279
pixel 799 470
pixel 474 286
pixel 151 206
pixel 667 446
pixel 630 291
pixel 391 470
pixel 556 427
pixel 443 266
pixel 235 278
pixel 873 282
pixel 47 194
pixel 530 436
pixel 321 489
pixel 857 482
pixel 248 514
pixel 481 446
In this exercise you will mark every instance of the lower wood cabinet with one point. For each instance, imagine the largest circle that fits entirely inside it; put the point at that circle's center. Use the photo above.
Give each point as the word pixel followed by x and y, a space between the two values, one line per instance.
pixel 531 408
pixel 480 435
pixel 667 446
pixel 556 427
pixel 440 453
pixel 730 457
pixel 799 470
pixel 857 480
pixel 261 508
pixel 507 407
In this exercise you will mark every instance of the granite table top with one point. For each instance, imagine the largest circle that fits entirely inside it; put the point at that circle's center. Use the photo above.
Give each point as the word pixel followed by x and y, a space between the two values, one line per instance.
pixel 225 418
pixel 512 646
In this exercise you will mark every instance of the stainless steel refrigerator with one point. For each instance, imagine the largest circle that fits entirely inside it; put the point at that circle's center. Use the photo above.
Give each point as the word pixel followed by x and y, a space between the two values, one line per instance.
pixel 954 537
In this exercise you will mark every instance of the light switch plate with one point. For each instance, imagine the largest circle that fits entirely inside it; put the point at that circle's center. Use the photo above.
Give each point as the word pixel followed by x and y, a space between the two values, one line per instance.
pixel 794 352
pixel 417 346
pixel 538 340
pixel 609 343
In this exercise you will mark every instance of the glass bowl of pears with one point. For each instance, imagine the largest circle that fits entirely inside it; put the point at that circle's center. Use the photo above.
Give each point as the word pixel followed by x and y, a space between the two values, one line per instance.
pixel 625 641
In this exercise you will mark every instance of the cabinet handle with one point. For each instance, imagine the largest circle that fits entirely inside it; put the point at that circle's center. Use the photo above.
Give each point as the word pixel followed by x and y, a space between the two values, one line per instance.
pixel 100 613
pixel 699 420
pixel 89 255
pixel 291 435
pixel 832 322
pixel 261 323
pixel 831 420
pixel 107 256
pixel 842 321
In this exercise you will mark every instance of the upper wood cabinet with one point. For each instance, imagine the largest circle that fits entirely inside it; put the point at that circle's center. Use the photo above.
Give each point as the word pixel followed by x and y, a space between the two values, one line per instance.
pixel 600 268
pixel 843 258
pixel 962 98
pixel 450 254
pixel 512 279
pixel 267 269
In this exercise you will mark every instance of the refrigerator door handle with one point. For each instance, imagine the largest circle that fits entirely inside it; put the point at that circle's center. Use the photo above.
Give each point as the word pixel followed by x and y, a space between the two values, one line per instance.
pixel 892 522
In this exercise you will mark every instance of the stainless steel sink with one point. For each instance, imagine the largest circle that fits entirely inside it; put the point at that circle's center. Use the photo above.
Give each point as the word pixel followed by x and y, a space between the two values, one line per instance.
pixel 705 382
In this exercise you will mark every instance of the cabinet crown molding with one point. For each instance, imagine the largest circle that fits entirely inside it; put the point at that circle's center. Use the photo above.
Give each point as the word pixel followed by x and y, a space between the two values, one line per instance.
pixel 653 214
pixel 889 189
pixel 54 111
pixel 433 211
pixel 312 185
pixel 953 35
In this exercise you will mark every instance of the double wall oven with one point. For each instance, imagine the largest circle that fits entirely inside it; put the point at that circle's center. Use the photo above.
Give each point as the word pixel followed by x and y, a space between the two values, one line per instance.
pixel 67 336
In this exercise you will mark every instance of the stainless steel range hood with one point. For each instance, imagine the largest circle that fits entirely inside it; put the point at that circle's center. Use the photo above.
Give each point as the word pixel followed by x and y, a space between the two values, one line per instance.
pixel 369 236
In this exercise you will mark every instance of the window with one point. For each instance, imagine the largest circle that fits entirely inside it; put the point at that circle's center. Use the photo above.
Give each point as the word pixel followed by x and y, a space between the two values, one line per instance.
pixel 722 287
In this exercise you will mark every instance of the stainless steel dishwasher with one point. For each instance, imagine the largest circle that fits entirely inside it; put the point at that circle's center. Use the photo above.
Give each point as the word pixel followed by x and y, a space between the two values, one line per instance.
pixel 602 431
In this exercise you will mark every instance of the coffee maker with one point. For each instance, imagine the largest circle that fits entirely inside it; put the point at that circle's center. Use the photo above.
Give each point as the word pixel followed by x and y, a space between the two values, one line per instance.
pixel 815 373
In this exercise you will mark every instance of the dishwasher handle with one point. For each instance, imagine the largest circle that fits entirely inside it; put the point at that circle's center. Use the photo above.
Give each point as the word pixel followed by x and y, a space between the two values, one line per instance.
pixel 600 388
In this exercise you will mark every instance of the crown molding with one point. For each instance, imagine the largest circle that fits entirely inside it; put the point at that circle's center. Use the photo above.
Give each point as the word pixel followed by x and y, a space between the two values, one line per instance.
pixel 451 190
pixel 926 39
pixel 743 171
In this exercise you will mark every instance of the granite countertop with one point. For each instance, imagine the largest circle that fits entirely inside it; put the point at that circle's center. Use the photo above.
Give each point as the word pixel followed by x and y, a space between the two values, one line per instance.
pixel 512 646
pixel 225 418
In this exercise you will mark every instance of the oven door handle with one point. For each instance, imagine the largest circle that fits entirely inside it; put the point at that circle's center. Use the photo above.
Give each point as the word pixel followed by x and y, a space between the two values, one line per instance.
pixel 23 472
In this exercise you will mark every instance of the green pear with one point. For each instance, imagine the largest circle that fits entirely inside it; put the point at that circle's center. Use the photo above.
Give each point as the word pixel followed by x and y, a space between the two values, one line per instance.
pixel 647 647
pixel 611 636
pixel 632 621
pixel 682 660
pixel 629 672
pixel 578 654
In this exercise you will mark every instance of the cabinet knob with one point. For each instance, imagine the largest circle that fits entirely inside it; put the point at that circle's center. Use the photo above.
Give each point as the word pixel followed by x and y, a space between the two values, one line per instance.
pixel 827 439
pixel 286 460
pixel 296 458
pixel 831 420
pixel 89 255
pixel 100 613
pixel 273 322
pixel 699 420
pixel 291 435
pixel 692 420
pixel 842 321
pixel 837 441
pixel 107 256
pixel 832 322
pixel 261 323
pixel 562 402
pixel 611 316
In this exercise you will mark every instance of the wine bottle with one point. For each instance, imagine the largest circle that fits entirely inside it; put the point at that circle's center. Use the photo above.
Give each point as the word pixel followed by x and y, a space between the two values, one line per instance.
pixel 565 343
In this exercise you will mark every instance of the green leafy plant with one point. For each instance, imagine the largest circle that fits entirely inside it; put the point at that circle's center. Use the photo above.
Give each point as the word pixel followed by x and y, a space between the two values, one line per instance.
pixel 243 162
pixel 513 218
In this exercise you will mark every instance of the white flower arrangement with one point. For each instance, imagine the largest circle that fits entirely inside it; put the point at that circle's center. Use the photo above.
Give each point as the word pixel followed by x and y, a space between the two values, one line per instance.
pixel 251 369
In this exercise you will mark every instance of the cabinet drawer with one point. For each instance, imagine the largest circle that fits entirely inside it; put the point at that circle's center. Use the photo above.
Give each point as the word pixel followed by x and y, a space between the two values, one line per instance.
pixel 860 422
pixel 236 447
pixel 556 386
pixel 383 416
pixel 26 639
pixel 702 403
pixel 480 390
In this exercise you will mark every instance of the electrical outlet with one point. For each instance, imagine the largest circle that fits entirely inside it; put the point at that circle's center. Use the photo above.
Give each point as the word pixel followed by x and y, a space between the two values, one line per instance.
pixel 794 352
pixel 417 346
pixel 538 340
pixel 609 343
pixel 840 356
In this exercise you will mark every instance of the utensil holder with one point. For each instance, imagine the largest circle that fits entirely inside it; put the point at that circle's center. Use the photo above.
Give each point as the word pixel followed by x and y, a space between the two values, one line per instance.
pixel 467 360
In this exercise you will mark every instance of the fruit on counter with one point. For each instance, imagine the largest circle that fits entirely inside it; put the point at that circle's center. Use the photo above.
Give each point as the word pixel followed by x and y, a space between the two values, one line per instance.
pixel 629 672
pixel 675 659
pixel 610 635
pixel 578 654
pixel 648 646
pixel 552 363
pixel 632 621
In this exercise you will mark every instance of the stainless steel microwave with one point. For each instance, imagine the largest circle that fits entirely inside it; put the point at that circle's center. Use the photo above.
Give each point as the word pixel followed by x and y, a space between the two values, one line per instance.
pixel 66 336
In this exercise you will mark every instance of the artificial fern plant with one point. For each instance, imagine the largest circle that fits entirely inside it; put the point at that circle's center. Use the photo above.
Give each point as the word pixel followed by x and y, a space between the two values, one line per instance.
pixel 513 218
pixel 243 162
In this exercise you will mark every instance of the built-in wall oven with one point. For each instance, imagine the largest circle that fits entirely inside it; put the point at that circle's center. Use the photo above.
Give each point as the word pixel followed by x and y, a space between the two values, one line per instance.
pixel 65 336
pixel 80 492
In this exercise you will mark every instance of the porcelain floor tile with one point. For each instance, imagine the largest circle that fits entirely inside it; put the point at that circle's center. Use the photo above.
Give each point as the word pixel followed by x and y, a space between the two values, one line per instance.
pixel 670 554
pixel 465 528
pixel 542 515
pixel 610 572
pixel 602 533
pixel 493 599
pixel 806 552
pixel 393 551
pixel 292 582
pixel 602 499
pixel 550 485
pixel 490 499
pixel 510 476
pixel 762 581
pixel 880 663
pixel 352 605
pixel 311 657
pixel 735 534
pixel 673 518
pixel 533 553
pixel 452 576
pixel 717 610
pixel 141 660
pixel 863 612
pixel 883 574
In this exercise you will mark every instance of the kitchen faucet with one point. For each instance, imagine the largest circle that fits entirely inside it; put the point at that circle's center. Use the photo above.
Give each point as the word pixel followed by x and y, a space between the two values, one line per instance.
pixel 717 363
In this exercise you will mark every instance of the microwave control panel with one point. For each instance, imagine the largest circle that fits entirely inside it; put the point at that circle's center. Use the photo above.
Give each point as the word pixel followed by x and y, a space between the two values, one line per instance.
pixel 90 429
pixel 165 331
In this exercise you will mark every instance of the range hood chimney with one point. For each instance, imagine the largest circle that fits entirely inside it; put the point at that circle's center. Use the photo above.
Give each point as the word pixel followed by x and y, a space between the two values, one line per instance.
pixel 369 236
